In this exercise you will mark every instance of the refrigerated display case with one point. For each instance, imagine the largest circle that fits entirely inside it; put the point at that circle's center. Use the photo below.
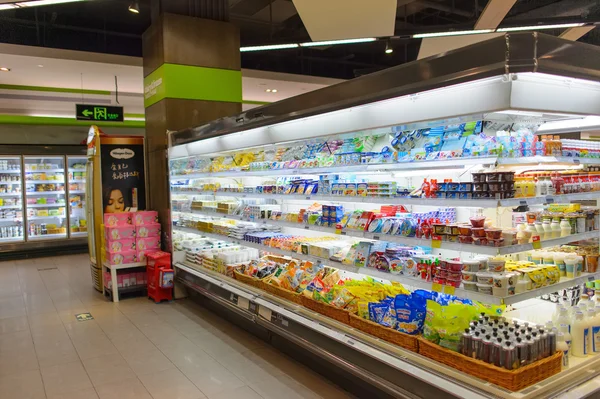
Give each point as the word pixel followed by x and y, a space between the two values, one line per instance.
pixel 45 196
pixel 77 206
pixel 410 177
pixel 11 200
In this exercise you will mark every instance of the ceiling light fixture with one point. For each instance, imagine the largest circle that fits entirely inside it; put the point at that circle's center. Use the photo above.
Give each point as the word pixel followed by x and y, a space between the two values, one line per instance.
pixel 538 27
pixel 452 33
pixel 274 91
pixel 4 69
pixel 6 6
pixel 268 47
pixel 388 48
pixel 40 66
pixel 335 42
pixel 134 7
pixel 36 3
pixel 268 90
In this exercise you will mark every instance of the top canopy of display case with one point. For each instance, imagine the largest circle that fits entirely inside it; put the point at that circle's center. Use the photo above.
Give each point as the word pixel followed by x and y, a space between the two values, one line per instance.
pixel 511 53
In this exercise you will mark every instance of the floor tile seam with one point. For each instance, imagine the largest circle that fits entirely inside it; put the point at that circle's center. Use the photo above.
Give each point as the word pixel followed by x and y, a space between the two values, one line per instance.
pixel 37 359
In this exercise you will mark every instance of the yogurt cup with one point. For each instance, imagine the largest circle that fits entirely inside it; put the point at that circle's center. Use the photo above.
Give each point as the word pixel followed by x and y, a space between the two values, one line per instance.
pixel 470 285
pixel 504 280
pixel 501 292
pixel 485 288
pixel 471 266
pixel 485 278
pixel 496 265
pixel 469 276
pixel 454 265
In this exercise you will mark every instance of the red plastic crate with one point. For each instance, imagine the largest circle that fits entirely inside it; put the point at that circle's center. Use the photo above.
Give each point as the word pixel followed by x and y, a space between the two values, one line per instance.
pixel 157 263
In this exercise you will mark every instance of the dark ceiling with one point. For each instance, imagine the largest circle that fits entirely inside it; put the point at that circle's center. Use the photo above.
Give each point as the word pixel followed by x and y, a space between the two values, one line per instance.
pixel 106 26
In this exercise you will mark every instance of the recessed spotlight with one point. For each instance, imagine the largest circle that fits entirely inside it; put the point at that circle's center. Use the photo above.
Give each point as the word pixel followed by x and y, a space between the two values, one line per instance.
pixel 134 7
pixel 274 90
pixel 268 90
pixel 4 69
pixel 388 48
pixel 40 66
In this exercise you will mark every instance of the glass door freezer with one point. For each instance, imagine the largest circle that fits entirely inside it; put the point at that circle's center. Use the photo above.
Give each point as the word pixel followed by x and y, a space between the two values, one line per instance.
pixel 11 200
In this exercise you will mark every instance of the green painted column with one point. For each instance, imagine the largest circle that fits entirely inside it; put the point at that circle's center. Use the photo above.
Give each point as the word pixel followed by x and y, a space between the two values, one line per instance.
pixel 191 76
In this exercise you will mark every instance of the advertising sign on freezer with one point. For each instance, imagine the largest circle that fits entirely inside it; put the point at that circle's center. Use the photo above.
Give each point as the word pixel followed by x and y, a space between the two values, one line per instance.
pixel 123 180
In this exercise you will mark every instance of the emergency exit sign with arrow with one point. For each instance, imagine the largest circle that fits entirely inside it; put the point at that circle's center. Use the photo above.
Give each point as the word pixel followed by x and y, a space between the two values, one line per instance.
pixel 87 112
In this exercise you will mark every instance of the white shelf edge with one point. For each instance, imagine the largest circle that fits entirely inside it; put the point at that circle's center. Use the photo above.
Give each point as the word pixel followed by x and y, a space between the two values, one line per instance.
pixel 30 193
pixel 45 170
pixel 124 266
pixel 11 239
pixel 47 236
pixel 471 248
pixel 45 206
pixel 463 203
pixel 11 207
pixel 45 217
pixel 388 167
pixel 10 171
pixel 44 181
pixel 10 194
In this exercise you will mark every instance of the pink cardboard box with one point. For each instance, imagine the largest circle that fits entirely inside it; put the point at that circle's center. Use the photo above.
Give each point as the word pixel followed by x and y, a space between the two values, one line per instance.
pixel 141 255
pixel 117 219
pixel 141 279
pixel 107 280
pixel 145 217
pixel 119 233
pixel 148 230
pixel 121 258
pixel 120 245
pixel 133 279
pixel 119 281
pixel 143 244
pixel 126 280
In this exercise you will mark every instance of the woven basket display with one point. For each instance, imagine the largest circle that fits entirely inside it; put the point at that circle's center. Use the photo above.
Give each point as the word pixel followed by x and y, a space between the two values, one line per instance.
pixel 326 310
pixel 406 341
pixel 248 280
pixel 514 380
pixel 283 293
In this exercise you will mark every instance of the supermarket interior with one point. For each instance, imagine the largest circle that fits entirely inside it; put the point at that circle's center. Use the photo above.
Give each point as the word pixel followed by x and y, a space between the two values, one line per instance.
pixel 264 199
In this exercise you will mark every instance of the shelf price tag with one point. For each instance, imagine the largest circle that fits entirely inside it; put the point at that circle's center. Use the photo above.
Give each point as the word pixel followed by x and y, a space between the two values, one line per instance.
pixel 448 289
pixel 549 200
pixel 253 307
pixel 233 298
pixel 436 242
pixel 436 287
pixel 338 231
pixel 536 243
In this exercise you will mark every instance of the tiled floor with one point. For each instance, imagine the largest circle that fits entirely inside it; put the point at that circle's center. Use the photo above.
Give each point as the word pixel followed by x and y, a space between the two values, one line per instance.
pixel 134 349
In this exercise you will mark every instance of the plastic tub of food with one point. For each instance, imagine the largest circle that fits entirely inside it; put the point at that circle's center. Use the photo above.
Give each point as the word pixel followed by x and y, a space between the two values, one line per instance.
pixel 465 187
pixel 510 236
pixel 496 243
pixel 464 230
pixel 454 275
pixel 470 266
pixel 452 229
pixel 454 265
pixel 443 265
pixel 439 228
pixel 469 276
pixel 504 280
pixel 477 221
pixel 439 280
pixel 478 177
pixel 470 285
pixel 485 278
pixel 465 239
pixel 496 265
pixel 450 238
pixel 493 234
pixel 484 288
pixel 478 232
pixel 501 292
pixel 493 177
pixel 480 241
pixel 495 186
pixel 508 176
pixel 480 187
pixel 441 273
pixel 453 186
pixel 483 262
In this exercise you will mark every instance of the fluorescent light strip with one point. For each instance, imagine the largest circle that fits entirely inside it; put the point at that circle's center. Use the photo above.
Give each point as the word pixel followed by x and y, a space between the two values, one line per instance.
pixel 36 3
pixel 268 47
pixel 452 33
pixel 538 27
pixel 7 6
pixel 334 42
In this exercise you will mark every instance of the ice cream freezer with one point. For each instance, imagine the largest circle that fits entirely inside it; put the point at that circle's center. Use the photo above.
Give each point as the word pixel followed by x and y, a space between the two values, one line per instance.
pixel 42 199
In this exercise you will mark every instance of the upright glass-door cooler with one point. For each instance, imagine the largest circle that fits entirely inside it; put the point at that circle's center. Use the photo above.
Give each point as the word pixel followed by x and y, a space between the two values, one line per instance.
pixel 11 200
pixel 45 197
pixel 77 180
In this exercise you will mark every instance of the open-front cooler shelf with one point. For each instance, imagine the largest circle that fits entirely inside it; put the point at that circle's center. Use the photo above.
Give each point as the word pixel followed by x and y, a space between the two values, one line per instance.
pixel 450 199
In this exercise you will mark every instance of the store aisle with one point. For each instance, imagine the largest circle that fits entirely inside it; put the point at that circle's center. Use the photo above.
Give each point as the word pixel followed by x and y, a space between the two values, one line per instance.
pixel 134 349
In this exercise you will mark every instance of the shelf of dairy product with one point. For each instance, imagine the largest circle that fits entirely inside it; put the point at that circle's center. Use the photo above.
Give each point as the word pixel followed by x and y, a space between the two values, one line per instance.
pixel 76 182
pixel 45 197
pixel 11 200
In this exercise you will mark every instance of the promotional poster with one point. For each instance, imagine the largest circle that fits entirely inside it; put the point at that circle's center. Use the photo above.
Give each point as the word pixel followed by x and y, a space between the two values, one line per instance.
pixel 123 180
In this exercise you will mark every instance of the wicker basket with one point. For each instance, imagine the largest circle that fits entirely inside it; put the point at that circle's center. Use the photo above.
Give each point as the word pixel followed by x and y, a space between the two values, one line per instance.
pixel 326 310
pixel 513 380
pixel 406 341
pixel 249 280
pixel 283 293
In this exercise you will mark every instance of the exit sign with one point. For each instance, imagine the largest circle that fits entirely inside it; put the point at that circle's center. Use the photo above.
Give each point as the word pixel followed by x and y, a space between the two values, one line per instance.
pixel 87 112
